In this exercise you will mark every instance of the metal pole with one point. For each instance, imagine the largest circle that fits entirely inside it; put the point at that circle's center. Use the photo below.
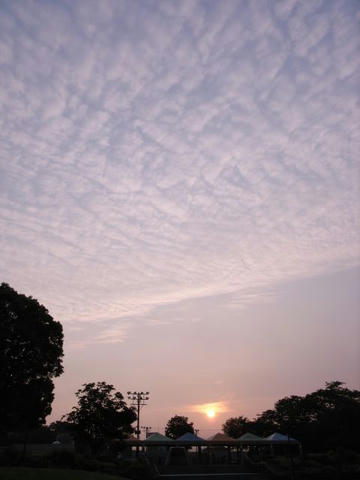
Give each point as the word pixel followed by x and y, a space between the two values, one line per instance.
pixel 138 400
pixel 138 419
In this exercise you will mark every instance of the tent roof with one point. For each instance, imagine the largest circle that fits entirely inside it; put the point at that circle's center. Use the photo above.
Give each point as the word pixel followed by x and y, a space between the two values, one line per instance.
pixel 132 438
pixel 220 437
pixel 157 437
pixel 249 436
pixel 190 437
pixel 279 437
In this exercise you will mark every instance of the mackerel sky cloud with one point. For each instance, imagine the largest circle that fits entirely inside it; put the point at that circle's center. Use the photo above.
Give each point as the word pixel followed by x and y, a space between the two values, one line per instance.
pixel 156 153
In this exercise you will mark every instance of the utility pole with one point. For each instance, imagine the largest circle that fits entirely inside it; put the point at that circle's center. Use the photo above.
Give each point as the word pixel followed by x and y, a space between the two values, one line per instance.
pixel 137 400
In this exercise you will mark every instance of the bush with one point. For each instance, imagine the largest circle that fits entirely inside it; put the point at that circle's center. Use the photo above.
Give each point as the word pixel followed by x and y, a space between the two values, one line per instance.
pixel 62 458
pixel 87 463
pixel 135 470
pixel 10 456
pixel 38 462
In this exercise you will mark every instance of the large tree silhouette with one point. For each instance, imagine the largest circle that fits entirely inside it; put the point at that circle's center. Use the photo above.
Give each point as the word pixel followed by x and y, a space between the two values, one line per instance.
pixel 31 351
pixel 234 427
pixel 100 416
pixel 177 426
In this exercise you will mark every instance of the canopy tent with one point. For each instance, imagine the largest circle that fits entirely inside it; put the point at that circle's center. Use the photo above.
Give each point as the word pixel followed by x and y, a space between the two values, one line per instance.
pixel 220 437
pixel 279 437
pixel 250 437
pixel 157 437
pixel 132 438
pixel 189 437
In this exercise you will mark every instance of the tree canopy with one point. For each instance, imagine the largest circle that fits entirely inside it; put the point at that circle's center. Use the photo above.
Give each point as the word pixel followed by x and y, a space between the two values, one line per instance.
pixel 321 420
pixel 31 351
pixel 177 426
pixel 100 416
pixel 236 426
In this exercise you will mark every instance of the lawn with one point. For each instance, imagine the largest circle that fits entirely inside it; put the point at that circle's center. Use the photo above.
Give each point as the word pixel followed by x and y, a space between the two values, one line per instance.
pixel 22 473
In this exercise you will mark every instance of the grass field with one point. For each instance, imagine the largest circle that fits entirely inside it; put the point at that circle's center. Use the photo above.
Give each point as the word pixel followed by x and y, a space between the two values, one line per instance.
pixel 22 473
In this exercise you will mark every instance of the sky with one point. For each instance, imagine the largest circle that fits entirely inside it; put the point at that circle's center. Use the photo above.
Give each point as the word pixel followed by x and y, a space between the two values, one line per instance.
pixel 179 186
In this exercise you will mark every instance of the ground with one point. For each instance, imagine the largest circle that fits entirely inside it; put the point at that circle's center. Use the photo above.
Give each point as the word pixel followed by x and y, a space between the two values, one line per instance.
pixel 22 473
pixel 214 476
pixel 211 472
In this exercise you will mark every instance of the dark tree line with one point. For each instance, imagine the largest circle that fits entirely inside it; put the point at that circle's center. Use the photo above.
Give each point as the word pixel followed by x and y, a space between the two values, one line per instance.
pixel 31 352
pixel 321 420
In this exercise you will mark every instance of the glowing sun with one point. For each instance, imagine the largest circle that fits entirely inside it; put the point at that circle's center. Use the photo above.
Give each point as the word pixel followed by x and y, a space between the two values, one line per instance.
pixel 210 410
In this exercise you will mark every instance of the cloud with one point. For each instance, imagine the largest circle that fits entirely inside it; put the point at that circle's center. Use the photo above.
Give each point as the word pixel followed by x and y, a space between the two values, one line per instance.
pixel 152 154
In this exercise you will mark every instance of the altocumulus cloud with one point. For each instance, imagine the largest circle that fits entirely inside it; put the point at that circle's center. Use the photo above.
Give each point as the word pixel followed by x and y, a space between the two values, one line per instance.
pixel 158 151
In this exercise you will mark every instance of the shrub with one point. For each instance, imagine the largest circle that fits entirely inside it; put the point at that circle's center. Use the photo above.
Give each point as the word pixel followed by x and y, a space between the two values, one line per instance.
pixel 62 458
pixel 10 456
pixel 135 470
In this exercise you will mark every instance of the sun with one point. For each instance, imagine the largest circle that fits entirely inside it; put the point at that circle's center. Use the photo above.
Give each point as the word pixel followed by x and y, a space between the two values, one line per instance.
pixel 210 413
pixel 210 409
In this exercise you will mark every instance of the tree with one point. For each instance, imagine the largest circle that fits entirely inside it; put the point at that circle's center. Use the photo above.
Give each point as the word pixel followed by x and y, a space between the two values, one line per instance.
pixel 62 430
pixel 335 416
pixel 31 351
pixel 265 423
pixel 177 426
pixel 321 420
pixel 235 427
pixel 101 415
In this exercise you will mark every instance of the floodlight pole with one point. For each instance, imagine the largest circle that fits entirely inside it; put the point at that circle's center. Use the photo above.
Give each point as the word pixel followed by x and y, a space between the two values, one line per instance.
pixel 137 400
pixel 146 430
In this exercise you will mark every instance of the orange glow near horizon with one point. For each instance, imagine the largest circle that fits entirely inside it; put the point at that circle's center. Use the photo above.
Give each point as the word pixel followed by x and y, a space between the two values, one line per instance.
pixel 210 410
